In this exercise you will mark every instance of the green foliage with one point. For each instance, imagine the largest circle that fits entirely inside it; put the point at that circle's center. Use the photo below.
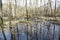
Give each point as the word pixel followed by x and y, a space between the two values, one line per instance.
pixel 1 21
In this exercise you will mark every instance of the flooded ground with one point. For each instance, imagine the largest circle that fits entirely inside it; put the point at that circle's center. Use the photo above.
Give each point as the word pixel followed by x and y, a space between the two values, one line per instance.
pixel 43 32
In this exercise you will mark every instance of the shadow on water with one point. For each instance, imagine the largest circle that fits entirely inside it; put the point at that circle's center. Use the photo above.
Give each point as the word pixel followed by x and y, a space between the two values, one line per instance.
pixel 44 34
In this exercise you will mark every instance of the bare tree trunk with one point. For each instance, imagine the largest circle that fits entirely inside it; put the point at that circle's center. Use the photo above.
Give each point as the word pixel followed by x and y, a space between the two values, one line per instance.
pixel 30 24
pixel 27 19
pixel 55 19
pixel 40 21
pixel 50 4
pixel 2 27
pixel 14 38
pixel 36 11
pixel 10 25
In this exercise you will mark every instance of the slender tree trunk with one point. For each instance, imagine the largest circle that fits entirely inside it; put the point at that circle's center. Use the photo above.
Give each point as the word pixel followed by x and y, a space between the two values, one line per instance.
pixel 36 11
pixel 2 27
pixel 27 19
pixel 40 21
pixel 10 25
pixel 49 1
pixel 55 19
pixel 30 24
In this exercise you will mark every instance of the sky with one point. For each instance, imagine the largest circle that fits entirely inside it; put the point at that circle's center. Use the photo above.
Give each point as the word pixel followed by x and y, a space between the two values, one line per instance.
pixel 33 2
